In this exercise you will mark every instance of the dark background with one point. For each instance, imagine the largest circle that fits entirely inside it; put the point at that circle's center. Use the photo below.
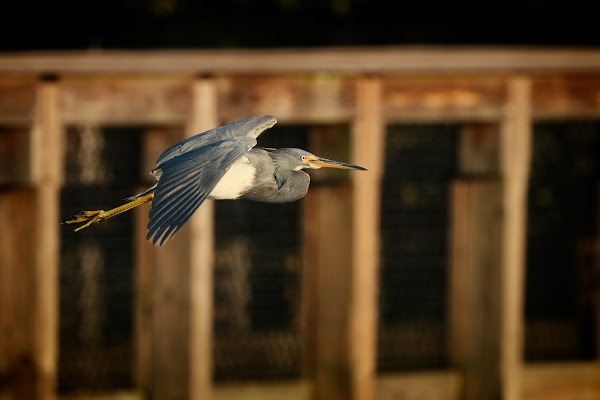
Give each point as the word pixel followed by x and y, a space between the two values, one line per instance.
pixel 79 24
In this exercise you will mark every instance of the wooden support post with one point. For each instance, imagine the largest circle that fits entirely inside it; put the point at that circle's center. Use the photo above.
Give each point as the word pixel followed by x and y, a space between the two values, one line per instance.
pixel 328 258
pixel 180 282
pixel 515 160
pixel 596 289
pixel 488 253
pixel 48 132
pixel 474 286
pixel 29 261
pixel 318 204
pixel 204 117
pixel 478 150
pixel 155 141
pixel 340 294
pixel 19 373
pixel 368 136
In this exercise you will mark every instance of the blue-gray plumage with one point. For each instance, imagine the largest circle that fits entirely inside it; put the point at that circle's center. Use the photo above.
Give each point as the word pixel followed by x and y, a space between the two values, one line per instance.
pixel 221 163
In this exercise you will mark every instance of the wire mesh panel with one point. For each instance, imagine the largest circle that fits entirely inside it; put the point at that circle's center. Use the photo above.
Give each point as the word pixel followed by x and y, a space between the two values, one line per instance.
pixel 257 278
pixel 96 298
pixel 562 261
pixel 420 162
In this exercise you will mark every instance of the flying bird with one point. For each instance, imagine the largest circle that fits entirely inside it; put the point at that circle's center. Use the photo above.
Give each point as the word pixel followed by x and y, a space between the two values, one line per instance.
pixel 222 163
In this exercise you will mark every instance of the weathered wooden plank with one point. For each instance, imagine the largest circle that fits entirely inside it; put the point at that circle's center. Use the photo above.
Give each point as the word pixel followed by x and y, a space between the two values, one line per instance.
pixel 474 293
pixel 478 154
pixel 487 271
pixel 368 136
pixel 461 279
pixel 327 248
pixel 515 160
pixel 431 385
pixel 201 249
pixel 18 369
pixel 264 391
pixel 162 303
pixel 310 272
pixel 154 142
pixel 327 259
pixel 17 100
pixel 15 165
pixel 143 304
pixel 560 96
pixel 120 395
pixel 320 98
pixel 551 381
pixel 478 150
pixel 170 368
pixel 564 381
pixel 181 280
pixel 32 260
pixel 596 296
pixel 297 390
pixel 388 59
pixel 120 100
pixel 447 98
pixel 47 132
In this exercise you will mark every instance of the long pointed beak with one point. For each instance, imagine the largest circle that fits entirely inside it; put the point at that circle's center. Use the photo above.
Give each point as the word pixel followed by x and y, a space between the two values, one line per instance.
pixel 323 162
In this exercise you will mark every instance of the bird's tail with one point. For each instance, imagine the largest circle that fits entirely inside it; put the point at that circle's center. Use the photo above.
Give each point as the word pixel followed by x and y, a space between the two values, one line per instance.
pixel 92 217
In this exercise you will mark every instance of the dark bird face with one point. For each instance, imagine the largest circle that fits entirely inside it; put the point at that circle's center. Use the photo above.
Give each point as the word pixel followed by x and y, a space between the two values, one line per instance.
pixel 297 159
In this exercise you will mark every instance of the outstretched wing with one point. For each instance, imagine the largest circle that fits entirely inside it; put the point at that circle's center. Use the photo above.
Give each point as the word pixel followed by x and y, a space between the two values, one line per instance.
pixel 187 180
pixel 252 127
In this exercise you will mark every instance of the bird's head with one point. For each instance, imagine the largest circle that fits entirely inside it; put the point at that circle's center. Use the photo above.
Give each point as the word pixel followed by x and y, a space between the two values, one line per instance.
pixel 297 159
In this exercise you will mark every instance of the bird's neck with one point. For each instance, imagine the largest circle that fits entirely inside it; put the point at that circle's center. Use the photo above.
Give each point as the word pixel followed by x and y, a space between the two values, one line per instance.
pixel 291 185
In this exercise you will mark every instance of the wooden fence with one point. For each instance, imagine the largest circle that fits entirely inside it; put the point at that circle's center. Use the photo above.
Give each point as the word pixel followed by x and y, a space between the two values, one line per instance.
pixel 368 88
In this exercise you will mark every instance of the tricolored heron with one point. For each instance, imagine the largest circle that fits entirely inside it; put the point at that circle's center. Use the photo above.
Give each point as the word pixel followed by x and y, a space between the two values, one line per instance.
pixel 221 163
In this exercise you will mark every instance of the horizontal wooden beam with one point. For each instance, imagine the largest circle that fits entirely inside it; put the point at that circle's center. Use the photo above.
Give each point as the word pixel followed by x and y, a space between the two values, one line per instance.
pixel 430 385
pixel 15 156
pixel 16 101
pixel 559 96
pixel 412 99
pixel 297 390
pixel 548 381
pixel 329 59
pixel 318 98
pixel 569 380
pixel 126 100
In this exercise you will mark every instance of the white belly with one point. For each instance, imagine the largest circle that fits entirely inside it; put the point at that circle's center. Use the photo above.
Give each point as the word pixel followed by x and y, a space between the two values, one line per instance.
pixel 239 177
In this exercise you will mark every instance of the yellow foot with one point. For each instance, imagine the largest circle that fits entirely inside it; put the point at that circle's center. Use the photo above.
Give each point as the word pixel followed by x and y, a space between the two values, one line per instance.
pixel 91 217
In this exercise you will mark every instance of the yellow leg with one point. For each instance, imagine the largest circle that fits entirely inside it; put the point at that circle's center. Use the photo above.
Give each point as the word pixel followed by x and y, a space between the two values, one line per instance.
pixel 92 217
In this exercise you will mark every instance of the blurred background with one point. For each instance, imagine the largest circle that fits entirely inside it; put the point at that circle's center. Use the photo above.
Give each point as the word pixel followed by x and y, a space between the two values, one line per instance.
pixel 464 265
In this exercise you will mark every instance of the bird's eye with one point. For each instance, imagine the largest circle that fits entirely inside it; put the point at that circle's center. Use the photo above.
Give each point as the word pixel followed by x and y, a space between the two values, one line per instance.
pixel 303 158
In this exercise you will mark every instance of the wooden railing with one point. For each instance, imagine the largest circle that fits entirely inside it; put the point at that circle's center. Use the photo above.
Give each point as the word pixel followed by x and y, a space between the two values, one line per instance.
pixel 505 90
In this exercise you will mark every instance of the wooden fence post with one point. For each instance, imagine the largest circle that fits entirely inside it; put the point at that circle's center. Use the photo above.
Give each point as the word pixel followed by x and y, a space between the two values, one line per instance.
pixel 178 289
pixel 368 136
pixel 488 252
pixel 474 294
pixel 515 161
pixel 328 258
pixel 29 260
pixel 204 117
pixel 47 124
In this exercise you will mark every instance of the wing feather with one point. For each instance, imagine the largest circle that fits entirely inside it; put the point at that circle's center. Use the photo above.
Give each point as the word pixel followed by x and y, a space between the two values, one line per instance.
pixel 187 180
pixel 250 127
